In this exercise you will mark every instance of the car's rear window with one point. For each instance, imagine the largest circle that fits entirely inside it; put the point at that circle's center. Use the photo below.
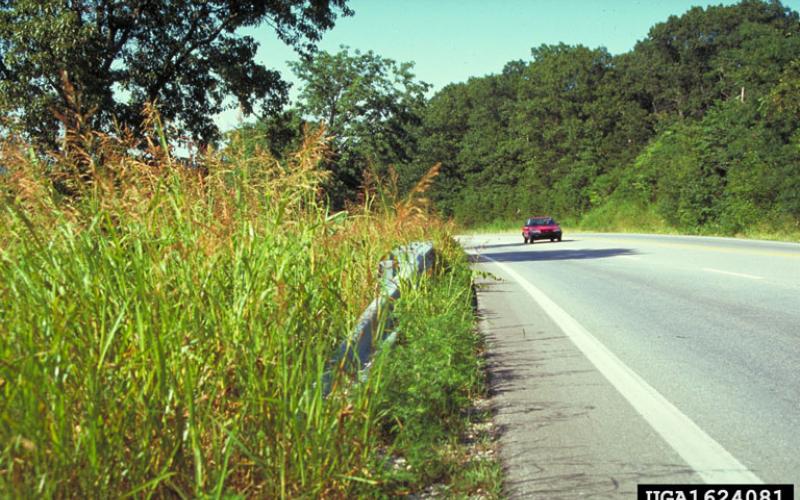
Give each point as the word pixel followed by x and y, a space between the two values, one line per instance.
pixel 540 222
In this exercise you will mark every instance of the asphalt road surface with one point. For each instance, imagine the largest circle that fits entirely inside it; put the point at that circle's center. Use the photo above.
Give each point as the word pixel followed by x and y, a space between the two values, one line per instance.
pixel 623 359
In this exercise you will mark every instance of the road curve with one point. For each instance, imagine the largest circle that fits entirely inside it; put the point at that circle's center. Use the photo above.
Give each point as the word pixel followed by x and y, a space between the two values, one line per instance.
pixel 709 325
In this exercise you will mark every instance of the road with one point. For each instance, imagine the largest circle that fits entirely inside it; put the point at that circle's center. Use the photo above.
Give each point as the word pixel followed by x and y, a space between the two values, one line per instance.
pixel 619 359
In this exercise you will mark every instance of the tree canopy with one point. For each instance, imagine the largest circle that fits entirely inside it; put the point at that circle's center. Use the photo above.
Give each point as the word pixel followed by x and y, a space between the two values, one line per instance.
pixel 371 107
pixel 118 55
pixel 697 126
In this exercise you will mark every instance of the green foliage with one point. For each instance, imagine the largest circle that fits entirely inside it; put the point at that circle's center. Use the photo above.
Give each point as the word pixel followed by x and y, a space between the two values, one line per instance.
pixel 120 55
pixel 433 374
pixel 280 135
pixel 689 62
pixel 724 173
pixel 432 377
pixel 167 331
pixel 698 127
pixel 370 106
pixel 624 215
pixel 464 126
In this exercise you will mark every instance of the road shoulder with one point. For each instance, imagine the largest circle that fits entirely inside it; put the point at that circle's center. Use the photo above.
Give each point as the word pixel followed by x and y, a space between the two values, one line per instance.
pixel 565 431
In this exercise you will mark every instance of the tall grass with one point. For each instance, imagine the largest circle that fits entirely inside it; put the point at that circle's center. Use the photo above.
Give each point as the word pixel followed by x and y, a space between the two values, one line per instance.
pixel 165 328
pixel 431 381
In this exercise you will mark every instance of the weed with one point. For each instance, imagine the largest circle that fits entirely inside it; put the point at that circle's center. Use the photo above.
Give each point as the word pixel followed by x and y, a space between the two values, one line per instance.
pixel 165 325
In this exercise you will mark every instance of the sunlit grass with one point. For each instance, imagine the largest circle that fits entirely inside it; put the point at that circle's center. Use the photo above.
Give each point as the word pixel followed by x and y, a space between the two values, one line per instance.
pixel 165 329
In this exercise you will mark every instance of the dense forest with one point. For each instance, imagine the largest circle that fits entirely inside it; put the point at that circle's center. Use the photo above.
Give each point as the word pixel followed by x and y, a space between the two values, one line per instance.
pixel 696 128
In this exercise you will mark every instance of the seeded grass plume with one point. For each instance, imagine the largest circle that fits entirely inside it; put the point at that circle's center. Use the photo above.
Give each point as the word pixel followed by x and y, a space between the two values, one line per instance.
pixel 165 325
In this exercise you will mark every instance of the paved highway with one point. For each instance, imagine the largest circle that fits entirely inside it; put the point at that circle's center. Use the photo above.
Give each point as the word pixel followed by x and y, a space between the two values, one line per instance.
pixel 621 359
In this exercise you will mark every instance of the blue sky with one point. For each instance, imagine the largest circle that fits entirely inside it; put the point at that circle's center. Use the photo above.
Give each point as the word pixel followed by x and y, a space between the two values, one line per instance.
pixel 452 40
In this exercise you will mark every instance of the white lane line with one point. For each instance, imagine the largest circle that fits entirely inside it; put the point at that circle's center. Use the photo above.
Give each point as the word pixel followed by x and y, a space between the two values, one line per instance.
pixel 629 257
pixel 730 273
pixel 703 454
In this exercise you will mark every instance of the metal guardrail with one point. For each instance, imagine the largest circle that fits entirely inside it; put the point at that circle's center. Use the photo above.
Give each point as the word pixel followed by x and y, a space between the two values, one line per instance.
pixel 370 334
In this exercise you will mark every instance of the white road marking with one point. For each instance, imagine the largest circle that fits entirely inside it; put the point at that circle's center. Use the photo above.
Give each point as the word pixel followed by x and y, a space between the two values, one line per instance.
pixel 629 257
pixel 730 273
pixel 704 455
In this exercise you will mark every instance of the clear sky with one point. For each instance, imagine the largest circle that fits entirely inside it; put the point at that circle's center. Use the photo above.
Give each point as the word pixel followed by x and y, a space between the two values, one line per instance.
pixel 452 40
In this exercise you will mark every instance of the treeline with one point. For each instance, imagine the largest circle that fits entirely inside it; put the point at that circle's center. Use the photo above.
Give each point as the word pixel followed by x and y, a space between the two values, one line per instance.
pixel 698 127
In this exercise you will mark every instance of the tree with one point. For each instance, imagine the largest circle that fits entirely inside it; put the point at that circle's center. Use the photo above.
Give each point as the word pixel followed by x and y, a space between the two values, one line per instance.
pixel 563 118
pixel 783 118
pixel 783 103
pixel 689 62
pixel 118 55
pixel 371 106
pixel 280 134
pixel 662 129
pixel 444 124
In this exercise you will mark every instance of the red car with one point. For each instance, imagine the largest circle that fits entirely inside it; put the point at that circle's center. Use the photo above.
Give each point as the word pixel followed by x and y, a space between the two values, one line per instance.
pixel 541 228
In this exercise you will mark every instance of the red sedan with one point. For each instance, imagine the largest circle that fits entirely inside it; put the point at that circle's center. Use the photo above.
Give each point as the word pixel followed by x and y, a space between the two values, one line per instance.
pixel 541 228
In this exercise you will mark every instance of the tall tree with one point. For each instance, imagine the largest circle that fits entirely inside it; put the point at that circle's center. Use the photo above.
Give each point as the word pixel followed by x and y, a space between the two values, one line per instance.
pixel 689 62
pixel 662 130
pixel 120 54
pixel 371 106
pixel 465 129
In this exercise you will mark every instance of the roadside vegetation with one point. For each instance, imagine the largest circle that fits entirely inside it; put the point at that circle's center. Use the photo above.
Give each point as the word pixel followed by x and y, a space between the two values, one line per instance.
pixel 166 323
pixel 636 219
pixel 695 130
pixel 165 327
pixel 434 380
